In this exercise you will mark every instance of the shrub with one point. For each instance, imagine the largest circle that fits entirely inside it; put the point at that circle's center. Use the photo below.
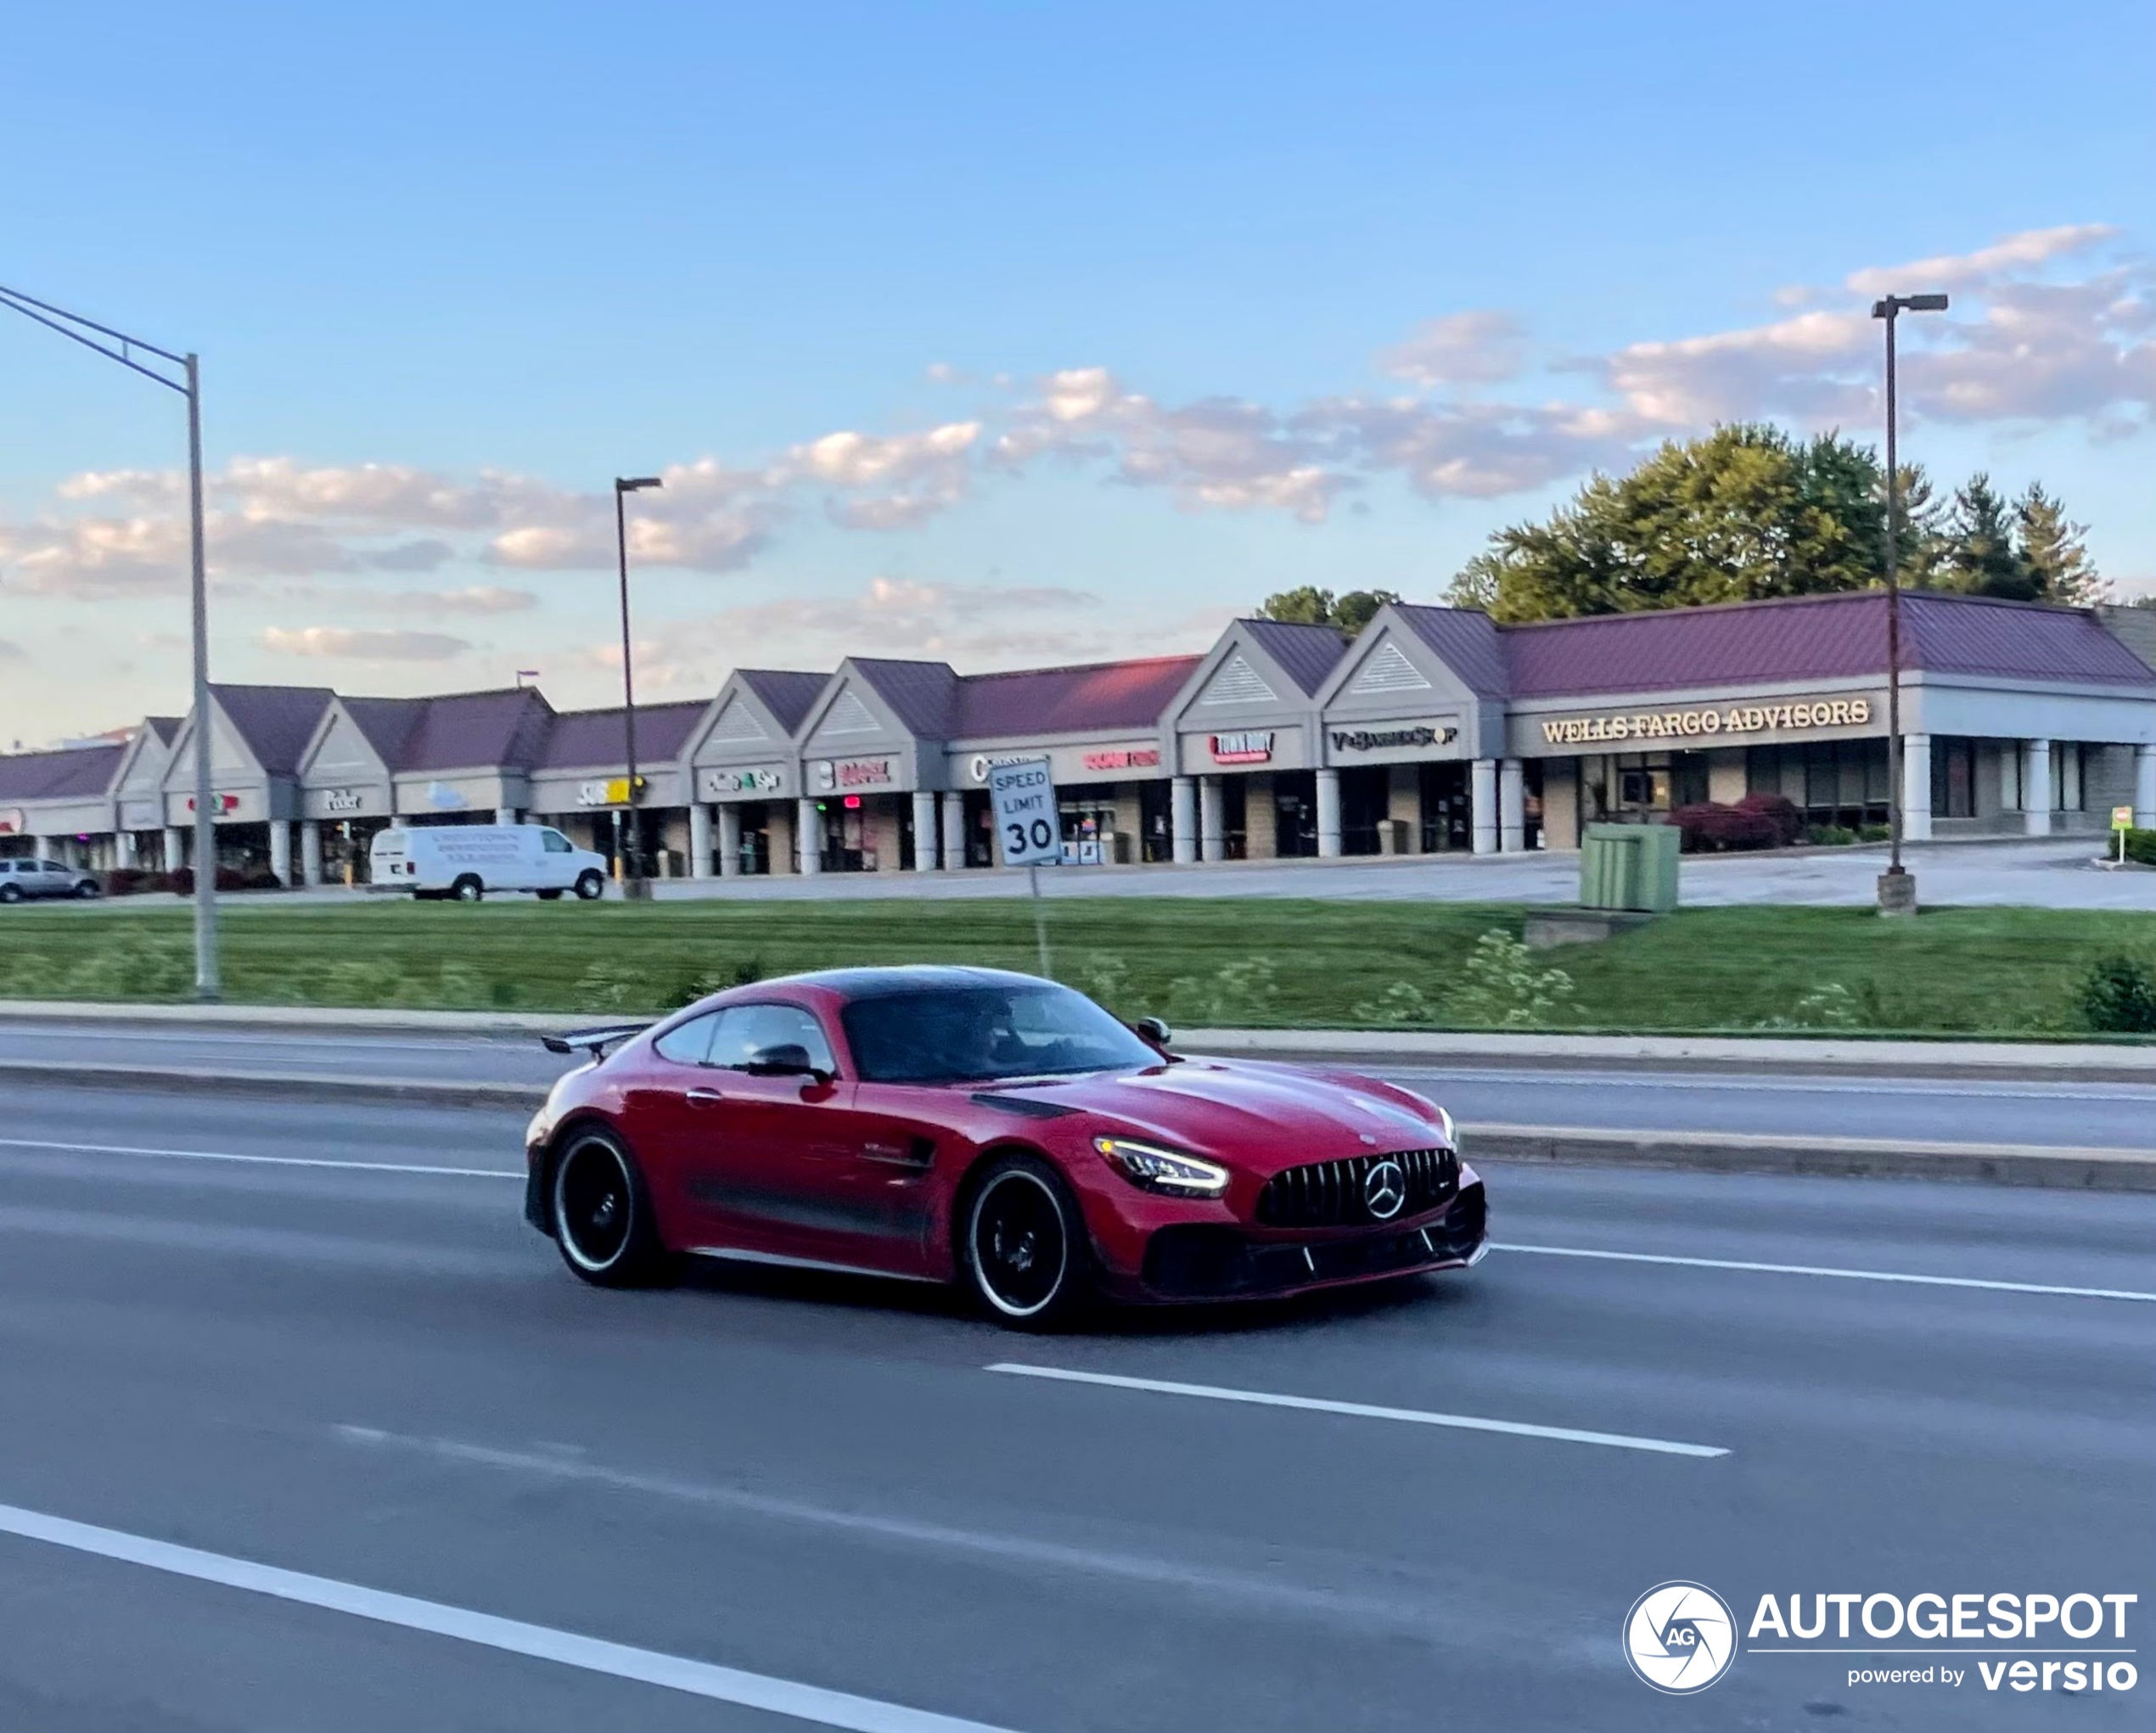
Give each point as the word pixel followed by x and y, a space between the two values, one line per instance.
pixel 1710 827
pixel 2118 997
pixel 181 880
pixel 132 881
pixel 1830 1005
pixel 1874 834
pixel 1238 996
pixel 255 879
pixel 1402 1002
pixel 1833 836
pixel 1786 816
pixel 2141 846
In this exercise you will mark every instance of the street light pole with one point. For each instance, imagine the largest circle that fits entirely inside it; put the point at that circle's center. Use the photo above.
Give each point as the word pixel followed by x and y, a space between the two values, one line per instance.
pixel 120 347
pixel 1897 888
pixel 634 886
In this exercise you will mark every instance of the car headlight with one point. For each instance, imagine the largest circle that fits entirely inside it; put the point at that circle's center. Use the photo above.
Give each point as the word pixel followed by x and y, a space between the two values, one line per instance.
pixel 1158 1169
pixel 1438 1113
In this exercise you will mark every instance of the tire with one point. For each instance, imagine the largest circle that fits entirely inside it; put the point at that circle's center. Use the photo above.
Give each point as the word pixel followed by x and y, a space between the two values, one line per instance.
pixel 10 893
pixel 1023 1249
pixel 602 1213
pixel 85 892
pixel 591 885
pixel 468 889
pixel 550 896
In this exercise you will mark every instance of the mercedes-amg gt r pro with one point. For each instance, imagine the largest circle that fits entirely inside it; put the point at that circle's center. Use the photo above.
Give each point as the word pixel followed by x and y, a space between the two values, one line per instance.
pixel 992 1130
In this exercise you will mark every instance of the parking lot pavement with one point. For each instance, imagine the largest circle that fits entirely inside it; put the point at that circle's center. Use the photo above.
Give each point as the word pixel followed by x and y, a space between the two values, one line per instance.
pixel 2055 873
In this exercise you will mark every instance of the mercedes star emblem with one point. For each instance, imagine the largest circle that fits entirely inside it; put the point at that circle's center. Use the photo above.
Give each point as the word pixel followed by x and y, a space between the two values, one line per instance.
pixel 1384 1189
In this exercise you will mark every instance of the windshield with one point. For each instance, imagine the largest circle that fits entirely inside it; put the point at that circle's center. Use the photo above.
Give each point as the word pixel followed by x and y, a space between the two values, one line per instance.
pixel 969 1033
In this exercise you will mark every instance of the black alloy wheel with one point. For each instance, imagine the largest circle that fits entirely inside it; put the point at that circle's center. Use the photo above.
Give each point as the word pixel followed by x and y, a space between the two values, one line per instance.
pixel 602 1213
pixel 1024 1248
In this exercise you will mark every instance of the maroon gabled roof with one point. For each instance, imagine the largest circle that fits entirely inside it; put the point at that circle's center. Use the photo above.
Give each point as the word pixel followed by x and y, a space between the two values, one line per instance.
pixel 599 739
pixel 78 773
pixel 787 693
pixel 479 730
pixel 1307 653
pixel 1465 640
pixel 923 695
pixel 1098 695
pixel 276 721
pixel 1812 637
pixel 386 723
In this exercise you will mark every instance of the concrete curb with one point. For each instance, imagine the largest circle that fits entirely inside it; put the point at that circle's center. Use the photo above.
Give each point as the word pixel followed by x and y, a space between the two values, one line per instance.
pixel 2041 1061
pixel 1692 1152
pixel 277 1085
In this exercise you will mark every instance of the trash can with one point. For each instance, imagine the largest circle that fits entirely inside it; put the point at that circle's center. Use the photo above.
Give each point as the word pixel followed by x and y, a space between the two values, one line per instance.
pixel 1629 866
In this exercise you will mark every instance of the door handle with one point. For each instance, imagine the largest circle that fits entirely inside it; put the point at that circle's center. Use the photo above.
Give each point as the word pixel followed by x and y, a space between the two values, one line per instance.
pixel 705 1098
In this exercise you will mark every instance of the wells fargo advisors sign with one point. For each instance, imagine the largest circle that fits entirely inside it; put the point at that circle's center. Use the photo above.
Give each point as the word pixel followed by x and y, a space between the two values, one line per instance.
pixel 1798 715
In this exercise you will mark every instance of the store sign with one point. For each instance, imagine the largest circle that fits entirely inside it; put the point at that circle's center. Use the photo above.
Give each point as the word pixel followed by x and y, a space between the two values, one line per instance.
pixel 719 783
pixel 1385 739
pixel 342 800
pixel 220 805
pixel 982 762
pixel 11 822
pixel 138 815
pixel 1803 715
pixel 1141 758
pixel 1252 746
pixel 832 775
pixel 603 791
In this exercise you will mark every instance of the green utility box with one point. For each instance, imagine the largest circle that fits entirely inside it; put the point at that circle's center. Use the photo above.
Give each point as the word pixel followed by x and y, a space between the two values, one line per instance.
pixel 1630 866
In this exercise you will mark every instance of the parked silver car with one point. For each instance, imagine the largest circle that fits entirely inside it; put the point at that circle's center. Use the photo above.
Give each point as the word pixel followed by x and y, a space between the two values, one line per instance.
pixel 20 879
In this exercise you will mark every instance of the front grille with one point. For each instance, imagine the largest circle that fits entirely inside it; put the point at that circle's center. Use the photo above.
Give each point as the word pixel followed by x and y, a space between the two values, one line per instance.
pixel 1331 1193
pixel 1204 1260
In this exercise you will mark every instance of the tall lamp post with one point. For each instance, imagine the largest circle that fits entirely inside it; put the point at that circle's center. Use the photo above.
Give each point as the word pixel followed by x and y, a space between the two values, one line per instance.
pixel 1897 885
pixel 119 346
pixel 632 884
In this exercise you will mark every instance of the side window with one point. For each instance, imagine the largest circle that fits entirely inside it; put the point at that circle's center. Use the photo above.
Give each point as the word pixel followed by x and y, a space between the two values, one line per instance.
pixel 555 842
pixel 688 1043
pixel 745 1030
pixel 54 868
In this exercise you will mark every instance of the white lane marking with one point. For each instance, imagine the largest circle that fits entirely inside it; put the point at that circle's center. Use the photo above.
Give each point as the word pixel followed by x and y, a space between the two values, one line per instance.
pixel 280 1161
pixel 725 1685
pixel 1364 1411
pixel 2109 1293
pixel 568 1464
pixel 1767 1083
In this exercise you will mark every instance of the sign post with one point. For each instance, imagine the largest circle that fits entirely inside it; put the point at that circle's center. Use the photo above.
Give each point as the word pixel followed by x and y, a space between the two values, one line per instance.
pixel 2122 820
pixel 1023 796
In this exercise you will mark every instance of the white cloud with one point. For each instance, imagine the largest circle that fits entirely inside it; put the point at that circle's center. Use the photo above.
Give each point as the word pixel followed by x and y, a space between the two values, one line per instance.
pixel 1460 349
pixel 10 651
pixel 351 644
pixel 2018 253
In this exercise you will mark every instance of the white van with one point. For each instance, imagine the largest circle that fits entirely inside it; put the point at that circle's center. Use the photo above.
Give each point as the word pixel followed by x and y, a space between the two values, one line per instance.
pixel 467 860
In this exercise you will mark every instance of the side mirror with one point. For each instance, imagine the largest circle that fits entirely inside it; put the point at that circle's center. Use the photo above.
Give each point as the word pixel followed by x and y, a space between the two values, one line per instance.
pixel 788 1059
pixel 1154 1030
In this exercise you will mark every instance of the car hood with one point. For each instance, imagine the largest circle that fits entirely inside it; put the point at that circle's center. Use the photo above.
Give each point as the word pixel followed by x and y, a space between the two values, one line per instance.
pixel 1257 1117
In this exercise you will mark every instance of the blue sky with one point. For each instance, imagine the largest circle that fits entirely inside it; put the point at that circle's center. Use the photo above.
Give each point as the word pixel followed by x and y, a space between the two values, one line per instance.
pixel 1007 334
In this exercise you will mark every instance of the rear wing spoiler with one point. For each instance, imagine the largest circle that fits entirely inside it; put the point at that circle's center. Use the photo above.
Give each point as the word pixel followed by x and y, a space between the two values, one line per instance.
pixel 594 1041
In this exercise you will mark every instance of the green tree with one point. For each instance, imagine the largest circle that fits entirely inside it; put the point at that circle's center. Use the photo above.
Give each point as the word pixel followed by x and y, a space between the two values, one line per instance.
pixel 1311 606
pixel 2054 551
pixel 1744 513
pixel 1979 557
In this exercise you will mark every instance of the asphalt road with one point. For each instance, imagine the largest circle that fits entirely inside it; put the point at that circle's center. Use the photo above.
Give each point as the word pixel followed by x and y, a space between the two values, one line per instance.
pixel 416 1470
pixel 2117 1116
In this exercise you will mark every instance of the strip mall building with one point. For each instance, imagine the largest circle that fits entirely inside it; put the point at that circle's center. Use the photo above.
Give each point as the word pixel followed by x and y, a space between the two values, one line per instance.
pixel 1432 731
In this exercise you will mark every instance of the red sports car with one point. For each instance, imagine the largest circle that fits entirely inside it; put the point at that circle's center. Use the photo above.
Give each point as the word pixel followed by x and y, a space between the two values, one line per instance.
pixel 969 1126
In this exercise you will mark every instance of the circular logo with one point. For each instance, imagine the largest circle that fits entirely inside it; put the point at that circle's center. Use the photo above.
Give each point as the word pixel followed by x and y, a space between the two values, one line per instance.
pixel 1680 1637
pixel 1384 1189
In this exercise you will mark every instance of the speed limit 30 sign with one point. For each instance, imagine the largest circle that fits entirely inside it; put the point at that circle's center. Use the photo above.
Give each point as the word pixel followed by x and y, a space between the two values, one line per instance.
pixel 1023 796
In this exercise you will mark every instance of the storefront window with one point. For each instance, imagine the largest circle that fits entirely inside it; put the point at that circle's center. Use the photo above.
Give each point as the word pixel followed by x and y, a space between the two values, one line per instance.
pixel 1447 823
pixel 2067 791
pixel 1155 809
pixel 1365 802
pixel 1294 805
pixel 1833 782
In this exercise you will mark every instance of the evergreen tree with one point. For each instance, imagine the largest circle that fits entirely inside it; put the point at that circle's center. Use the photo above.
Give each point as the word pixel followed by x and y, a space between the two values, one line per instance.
pixel 2054 551
pixel 1980 557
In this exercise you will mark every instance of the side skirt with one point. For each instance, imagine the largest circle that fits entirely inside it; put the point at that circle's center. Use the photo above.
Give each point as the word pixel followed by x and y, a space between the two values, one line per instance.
pixel 779 1261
